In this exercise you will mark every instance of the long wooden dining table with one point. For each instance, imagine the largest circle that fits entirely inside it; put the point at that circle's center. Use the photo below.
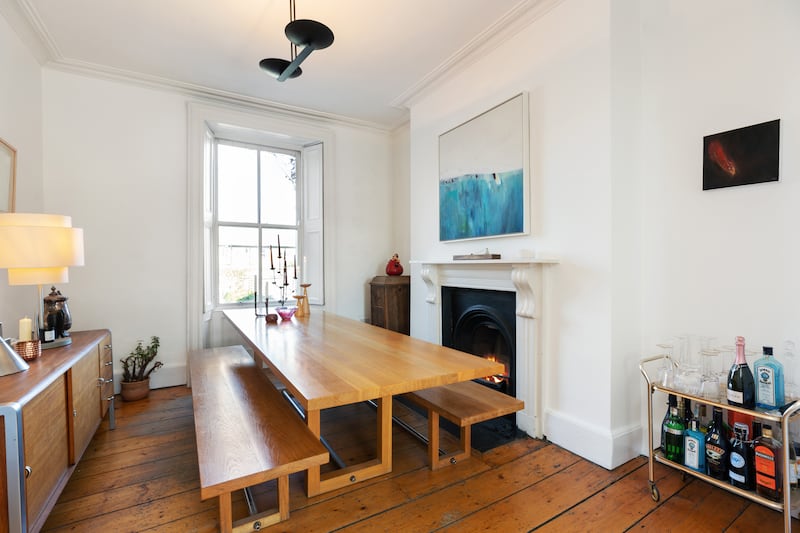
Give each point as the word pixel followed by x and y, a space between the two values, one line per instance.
pixel 327 361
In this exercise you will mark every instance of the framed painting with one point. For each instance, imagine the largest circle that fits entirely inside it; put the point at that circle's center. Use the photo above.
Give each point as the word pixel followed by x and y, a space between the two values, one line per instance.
pixel 8 176
pixel 742 156
pixel 484 182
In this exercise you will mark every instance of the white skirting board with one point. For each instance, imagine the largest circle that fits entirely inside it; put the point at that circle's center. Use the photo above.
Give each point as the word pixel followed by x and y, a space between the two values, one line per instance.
pixel 596 444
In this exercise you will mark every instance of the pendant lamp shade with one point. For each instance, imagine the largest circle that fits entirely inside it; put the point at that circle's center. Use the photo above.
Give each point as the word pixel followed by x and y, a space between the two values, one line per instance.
pixel 308 34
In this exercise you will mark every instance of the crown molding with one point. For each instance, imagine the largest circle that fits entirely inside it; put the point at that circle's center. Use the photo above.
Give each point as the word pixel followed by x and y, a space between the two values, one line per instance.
pixel 205 93
pixel 518 18
pixel 22 18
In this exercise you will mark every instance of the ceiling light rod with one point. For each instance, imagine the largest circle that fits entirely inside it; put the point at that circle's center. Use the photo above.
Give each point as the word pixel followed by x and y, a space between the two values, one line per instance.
pixel 309 34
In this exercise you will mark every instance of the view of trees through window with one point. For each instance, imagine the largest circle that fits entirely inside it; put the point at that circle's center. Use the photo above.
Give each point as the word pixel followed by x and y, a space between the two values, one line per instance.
pixel 256 223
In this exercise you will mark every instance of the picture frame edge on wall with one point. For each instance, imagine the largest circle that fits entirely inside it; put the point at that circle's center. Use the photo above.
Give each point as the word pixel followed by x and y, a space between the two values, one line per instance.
pixel 480 147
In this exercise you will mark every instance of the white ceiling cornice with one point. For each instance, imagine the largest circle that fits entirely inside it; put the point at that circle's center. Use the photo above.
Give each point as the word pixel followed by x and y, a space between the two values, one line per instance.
pixel 514 21
pixel 25 24
pixel 197 91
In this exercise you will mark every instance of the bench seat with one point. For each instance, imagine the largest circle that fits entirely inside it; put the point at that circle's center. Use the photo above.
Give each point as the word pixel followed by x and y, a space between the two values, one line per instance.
pixel 247 433
pixel 463 404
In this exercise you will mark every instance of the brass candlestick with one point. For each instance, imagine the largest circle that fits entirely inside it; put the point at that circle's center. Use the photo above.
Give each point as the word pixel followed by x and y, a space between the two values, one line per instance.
pixel 306 308
pixel 300 305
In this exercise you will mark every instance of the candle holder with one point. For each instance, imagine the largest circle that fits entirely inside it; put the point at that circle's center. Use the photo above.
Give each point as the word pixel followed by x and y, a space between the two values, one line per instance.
pixel 306 308
pixel 29 350
pixel 300 305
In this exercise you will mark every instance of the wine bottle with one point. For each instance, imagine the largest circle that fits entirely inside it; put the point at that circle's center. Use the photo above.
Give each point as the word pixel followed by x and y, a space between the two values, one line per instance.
pixel 769 481
pixel 672 401
pixel 739 471
pixel 717 448
pixel 694 447
pixel 674 436
pixel 741 386
pixel 769 377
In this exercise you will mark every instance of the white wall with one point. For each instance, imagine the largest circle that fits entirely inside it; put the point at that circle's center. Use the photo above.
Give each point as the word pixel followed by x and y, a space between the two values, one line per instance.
pixel 115 158
pixel 722 262
pixel 20 126
pixel 621 95
pixel 562 61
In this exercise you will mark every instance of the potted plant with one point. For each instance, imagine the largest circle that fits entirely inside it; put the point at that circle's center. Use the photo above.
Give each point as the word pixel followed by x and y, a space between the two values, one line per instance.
pixel 136 370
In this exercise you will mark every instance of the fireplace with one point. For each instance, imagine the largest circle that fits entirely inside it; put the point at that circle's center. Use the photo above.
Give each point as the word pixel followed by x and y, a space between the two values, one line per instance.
pixel 482 322
pixel 524 280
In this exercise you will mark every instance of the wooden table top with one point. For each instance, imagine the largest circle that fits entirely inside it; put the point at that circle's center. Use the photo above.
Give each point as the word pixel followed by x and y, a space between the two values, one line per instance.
pixel 327 360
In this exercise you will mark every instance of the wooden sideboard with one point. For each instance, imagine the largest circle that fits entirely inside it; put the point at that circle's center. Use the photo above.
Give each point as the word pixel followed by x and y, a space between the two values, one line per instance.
pixel 391 303
pixel 48 416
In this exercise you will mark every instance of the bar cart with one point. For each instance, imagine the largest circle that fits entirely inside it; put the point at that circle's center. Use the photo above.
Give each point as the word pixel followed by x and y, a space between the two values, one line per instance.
pixel 656 455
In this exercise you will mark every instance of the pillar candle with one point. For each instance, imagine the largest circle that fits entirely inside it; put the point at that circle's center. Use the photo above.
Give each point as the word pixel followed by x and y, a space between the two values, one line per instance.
pixel 25 328
pixel 294 262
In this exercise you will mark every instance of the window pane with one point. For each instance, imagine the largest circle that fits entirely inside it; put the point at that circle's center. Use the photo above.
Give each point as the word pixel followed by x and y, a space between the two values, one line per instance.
pixel 237 184
pixel 278 189
pixel 274 267
pixel 238 263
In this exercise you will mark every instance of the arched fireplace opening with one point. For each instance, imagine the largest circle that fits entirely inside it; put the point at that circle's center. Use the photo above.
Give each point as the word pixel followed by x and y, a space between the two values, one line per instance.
pixel 483 323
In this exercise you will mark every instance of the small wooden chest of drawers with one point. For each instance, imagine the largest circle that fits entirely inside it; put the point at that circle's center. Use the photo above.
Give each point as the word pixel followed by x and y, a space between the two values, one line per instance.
pixel 391 302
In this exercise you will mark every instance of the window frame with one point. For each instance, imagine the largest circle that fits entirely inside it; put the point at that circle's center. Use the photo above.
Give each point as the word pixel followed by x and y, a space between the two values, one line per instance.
pixel 259 225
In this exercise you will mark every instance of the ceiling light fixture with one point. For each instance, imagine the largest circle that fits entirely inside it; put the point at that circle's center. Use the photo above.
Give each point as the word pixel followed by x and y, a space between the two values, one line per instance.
pixel 309 34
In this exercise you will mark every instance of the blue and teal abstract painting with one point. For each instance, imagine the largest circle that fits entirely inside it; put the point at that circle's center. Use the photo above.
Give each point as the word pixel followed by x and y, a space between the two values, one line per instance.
pixel 481 205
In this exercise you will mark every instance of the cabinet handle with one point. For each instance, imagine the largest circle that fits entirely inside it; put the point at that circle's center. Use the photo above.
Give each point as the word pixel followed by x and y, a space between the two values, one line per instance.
pixel 28 472
pixel 109 363
pixel 101 381
pixel 110 398
pixel 107 346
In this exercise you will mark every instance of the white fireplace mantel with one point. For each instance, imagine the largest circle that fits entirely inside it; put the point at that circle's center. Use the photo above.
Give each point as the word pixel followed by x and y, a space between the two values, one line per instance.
pixel 523 276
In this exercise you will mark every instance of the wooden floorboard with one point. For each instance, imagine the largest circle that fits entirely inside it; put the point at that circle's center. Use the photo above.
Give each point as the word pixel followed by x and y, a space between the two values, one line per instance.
pixel 143 476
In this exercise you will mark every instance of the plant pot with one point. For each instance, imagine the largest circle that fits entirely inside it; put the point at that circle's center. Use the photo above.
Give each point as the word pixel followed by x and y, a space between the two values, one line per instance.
pixel 135 390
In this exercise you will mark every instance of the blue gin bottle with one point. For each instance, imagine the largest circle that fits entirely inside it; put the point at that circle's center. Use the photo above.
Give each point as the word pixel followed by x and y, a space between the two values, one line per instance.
pixel 769 381
pixel 694 447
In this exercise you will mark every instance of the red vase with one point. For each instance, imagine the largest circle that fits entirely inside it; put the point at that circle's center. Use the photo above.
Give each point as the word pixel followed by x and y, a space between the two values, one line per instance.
pixel 394 268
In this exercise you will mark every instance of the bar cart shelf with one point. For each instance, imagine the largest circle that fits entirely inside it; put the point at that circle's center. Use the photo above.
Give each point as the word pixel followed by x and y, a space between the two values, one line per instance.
pixel 655 455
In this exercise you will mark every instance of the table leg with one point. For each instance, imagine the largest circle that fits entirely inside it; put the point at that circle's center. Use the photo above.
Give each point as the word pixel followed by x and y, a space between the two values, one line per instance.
pixel 382 464
pixel 313 473
pixel 385 432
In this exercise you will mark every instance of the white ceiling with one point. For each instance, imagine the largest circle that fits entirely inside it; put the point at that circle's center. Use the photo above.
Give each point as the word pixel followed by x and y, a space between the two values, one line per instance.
pixel 384 51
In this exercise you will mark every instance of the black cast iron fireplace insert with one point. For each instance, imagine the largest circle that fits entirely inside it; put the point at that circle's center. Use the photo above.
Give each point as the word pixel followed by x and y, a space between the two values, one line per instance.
pixel 483 323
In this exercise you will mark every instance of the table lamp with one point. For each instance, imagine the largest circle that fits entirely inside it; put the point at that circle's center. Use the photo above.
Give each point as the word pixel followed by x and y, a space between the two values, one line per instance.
pixel 37 249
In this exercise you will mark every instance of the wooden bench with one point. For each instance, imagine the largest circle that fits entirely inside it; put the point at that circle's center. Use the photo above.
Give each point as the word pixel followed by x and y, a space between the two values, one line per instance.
pixel 463 404
pixel 247 434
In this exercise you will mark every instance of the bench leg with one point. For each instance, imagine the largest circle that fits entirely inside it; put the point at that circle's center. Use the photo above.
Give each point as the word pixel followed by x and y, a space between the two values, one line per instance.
pixel 465 444
pixel 256 522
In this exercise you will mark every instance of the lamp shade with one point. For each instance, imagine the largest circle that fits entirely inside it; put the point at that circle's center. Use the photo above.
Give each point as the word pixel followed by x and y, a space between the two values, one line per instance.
pixel 38 248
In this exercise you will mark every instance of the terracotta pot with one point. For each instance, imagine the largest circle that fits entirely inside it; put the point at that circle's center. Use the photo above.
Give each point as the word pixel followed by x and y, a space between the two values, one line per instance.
pixel 135 390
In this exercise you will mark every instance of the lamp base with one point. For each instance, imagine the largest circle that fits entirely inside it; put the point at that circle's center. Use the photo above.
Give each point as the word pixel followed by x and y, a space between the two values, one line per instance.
pixel 62 341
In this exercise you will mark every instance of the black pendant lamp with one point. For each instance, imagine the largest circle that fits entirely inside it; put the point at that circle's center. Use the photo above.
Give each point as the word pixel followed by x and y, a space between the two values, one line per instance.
pixel 308 34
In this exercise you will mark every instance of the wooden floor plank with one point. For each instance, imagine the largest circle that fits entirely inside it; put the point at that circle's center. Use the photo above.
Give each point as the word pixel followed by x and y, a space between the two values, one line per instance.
pixel 142 476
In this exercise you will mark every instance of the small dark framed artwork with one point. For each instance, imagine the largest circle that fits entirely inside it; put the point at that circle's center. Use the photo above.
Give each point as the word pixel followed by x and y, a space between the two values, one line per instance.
pixel 742 156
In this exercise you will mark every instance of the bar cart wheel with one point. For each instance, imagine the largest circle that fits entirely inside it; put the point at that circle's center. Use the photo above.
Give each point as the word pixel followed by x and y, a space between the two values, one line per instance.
pixel 654 492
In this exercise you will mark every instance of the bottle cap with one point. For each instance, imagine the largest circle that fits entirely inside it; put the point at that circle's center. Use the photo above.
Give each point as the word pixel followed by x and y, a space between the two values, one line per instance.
pixel 767 350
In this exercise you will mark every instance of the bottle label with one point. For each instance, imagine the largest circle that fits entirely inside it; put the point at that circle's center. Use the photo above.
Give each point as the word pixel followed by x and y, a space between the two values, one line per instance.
pixel 674 431
pixel 765 462
pixel 736 397
pixel 691 452
pixel 766 385
pixel 49 335
pixel 736 477
pixel 737 461
pixel 766 481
